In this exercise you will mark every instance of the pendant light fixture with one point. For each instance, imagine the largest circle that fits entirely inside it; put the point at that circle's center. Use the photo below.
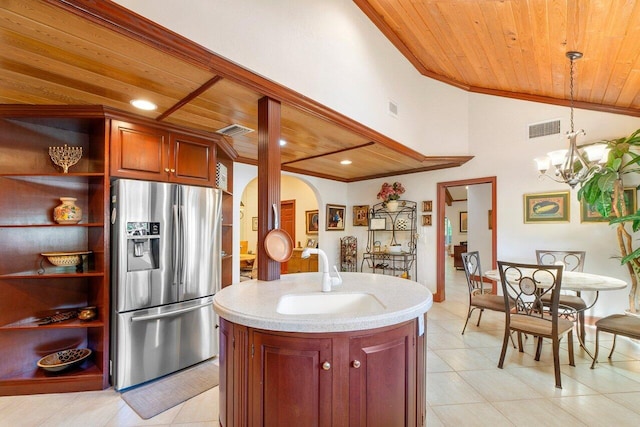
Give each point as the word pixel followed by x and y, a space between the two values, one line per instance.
pixel 577 163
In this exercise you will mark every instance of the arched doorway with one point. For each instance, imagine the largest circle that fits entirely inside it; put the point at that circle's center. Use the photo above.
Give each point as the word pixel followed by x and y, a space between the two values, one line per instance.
pixel 297 197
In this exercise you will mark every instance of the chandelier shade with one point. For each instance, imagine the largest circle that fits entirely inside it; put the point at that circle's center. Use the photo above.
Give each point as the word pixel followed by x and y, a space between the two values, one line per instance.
pixel 575 164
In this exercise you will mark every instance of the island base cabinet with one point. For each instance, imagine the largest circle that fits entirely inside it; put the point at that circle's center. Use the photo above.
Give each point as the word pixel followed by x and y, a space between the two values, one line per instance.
pixel 288 383
pixel 382 378
pixel 360 378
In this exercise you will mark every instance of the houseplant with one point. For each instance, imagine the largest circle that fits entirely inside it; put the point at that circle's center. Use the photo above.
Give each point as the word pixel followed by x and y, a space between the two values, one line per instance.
pixel 605 191
pixel 390 193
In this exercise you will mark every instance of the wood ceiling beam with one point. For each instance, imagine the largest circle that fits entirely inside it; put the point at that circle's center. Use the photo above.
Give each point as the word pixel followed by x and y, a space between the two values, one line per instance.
pixel 184 101
pixel 355 147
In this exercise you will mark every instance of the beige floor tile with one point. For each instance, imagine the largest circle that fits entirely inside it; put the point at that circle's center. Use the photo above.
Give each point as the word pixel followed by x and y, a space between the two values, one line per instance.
pixel 448 388
pixel 471 415
pixel 535 413
pixel 432 419
pixel 201 408
pixel 496 385
pixel 604 380
pixel 442 341
pixel 436 364
pixel 598 410
pixel 465 359
pixel 628 400
pixel 542 379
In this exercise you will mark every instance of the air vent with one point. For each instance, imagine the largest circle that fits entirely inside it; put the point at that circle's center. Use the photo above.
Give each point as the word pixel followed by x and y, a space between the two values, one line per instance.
pixel 537 130
pixel 393 108
pixel 234 130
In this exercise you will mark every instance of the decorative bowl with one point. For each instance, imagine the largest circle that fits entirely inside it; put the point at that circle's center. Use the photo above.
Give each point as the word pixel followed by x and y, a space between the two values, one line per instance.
pixel 395 249
pixel 64 359
pixel 87 313
pixel 65 259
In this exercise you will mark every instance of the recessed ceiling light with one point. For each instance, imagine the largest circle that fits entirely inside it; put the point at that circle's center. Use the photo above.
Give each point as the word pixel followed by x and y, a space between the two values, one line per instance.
pixel 283 143
pixel 143 104
pixel 346 162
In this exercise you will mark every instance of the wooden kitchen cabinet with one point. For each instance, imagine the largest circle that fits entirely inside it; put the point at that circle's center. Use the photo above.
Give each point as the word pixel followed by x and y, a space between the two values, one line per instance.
pixel 297 264
pixel 157 152
pixel 359 378
pixel 31 287
pixel 141 151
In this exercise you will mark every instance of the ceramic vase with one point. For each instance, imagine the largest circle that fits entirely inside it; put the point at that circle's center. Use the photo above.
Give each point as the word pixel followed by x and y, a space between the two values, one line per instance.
pixel 67 212
pixel 392 205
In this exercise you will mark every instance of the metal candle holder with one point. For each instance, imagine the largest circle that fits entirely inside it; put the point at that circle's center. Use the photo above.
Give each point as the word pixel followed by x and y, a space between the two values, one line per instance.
pixel 66 156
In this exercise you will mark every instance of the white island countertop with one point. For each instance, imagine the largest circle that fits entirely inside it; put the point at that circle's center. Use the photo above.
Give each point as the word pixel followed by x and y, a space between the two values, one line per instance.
pixel 254 303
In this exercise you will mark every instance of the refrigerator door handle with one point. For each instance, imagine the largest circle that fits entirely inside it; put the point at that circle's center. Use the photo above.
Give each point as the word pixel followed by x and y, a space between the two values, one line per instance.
pixel 170 313
pixel 177 254
pixel 183 233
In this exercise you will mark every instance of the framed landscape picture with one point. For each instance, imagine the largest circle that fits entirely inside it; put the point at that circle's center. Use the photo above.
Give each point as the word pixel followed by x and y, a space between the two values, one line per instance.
pixel 588 213
pixel 546 207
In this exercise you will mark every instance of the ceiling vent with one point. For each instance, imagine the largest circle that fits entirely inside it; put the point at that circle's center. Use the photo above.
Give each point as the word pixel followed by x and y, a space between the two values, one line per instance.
pixel 234 130
pixel 537 130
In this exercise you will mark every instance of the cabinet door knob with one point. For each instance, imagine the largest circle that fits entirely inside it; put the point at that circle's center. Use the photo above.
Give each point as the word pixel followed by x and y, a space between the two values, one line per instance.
pixel 166 170
pixel 173 170
pixel 355 364
pixel 326 366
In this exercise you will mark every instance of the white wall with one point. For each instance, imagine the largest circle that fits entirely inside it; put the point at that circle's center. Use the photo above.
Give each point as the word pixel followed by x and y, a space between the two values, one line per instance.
pixel 479 234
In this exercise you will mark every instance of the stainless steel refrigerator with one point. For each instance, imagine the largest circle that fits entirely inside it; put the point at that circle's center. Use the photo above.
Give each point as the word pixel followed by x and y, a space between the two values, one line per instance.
pixel 166 244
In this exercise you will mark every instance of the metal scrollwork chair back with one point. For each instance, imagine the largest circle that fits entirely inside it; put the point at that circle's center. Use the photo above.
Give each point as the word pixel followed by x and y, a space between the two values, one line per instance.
pixel 479 297
pixel 572 261
pixel 525 286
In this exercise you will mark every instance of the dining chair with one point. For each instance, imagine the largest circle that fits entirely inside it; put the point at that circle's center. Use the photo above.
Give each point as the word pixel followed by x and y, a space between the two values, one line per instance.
pixel 479 297
pixel 617 324
pixel 572 261
pixel 524 286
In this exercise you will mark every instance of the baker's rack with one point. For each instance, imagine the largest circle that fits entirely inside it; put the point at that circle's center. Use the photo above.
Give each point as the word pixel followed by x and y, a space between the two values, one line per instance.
pixel 387 230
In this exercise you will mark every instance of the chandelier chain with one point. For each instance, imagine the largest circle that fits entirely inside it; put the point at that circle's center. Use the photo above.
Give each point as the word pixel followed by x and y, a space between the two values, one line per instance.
pixel 571 71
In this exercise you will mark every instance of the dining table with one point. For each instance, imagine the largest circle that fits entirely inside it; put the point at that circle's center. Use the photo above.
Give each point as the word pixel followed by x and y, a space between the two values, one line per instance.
pixel 577 281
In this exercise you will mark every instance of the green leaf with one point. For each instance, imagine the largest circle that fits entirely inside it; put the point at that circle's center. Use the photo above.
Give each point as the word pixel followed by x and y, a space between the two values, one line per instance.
pixel 633 255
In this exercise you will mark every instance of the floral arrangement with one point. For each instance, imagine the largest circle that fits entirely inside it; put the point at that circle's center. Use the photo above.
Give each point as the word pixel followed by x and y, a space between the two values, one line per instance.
pixel 390 191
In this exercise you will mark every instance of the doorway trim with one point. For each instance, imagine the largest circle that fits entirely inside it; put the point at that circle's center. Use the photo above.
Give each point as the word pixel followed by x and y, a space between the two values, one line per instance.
pixel 440 252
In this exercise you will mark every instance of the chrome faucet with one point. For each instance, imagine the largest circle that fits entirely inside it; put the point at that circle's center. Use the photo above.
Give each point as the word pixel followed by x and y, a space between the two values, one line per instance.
pixel 327 280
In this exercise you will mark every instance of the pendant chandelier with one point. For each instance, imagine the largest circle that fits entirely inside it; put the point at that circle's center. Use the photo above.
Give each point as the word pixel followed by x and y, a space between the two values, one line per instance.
pixel 576 164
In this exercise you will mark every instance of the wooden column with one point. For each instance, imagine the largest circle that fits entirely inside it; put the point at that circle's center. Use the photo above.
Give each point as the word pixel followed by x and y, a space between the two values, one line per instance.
pixel 268 181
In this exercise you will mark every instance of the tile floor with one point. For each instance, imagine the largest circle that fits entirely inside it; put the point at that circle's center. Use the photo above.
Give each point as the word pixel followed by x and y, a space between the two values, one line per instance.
pixel 464 385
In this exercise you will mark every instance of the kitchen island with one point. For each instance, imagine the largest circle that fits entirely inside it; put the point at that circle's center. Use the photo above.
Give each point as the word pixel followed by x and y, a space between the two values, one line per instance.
pixel 293 355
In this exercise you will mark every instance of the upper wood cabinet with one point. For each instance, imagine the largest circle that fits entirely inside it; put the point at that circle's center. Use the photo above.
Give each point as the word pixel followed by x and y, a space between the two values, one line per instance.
pixel 153 153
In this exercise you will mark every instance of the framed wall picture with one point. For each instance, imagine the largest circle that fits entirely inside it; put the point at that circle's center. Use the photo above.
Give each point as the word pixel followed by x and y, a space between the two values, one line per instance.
pixel 546 207
pixel 311 221
pixel 426 219
pixel 588 213
pixel 254 223
pixel 335 217
pixel 463 222
pixel 361 215
pixel 427 206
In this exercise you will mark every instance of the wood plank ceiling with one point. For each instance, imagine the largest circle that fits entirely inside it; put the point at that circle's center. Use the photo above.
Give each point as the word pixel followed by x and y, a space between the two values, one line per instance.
pixel 516 48
pixel 79 52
